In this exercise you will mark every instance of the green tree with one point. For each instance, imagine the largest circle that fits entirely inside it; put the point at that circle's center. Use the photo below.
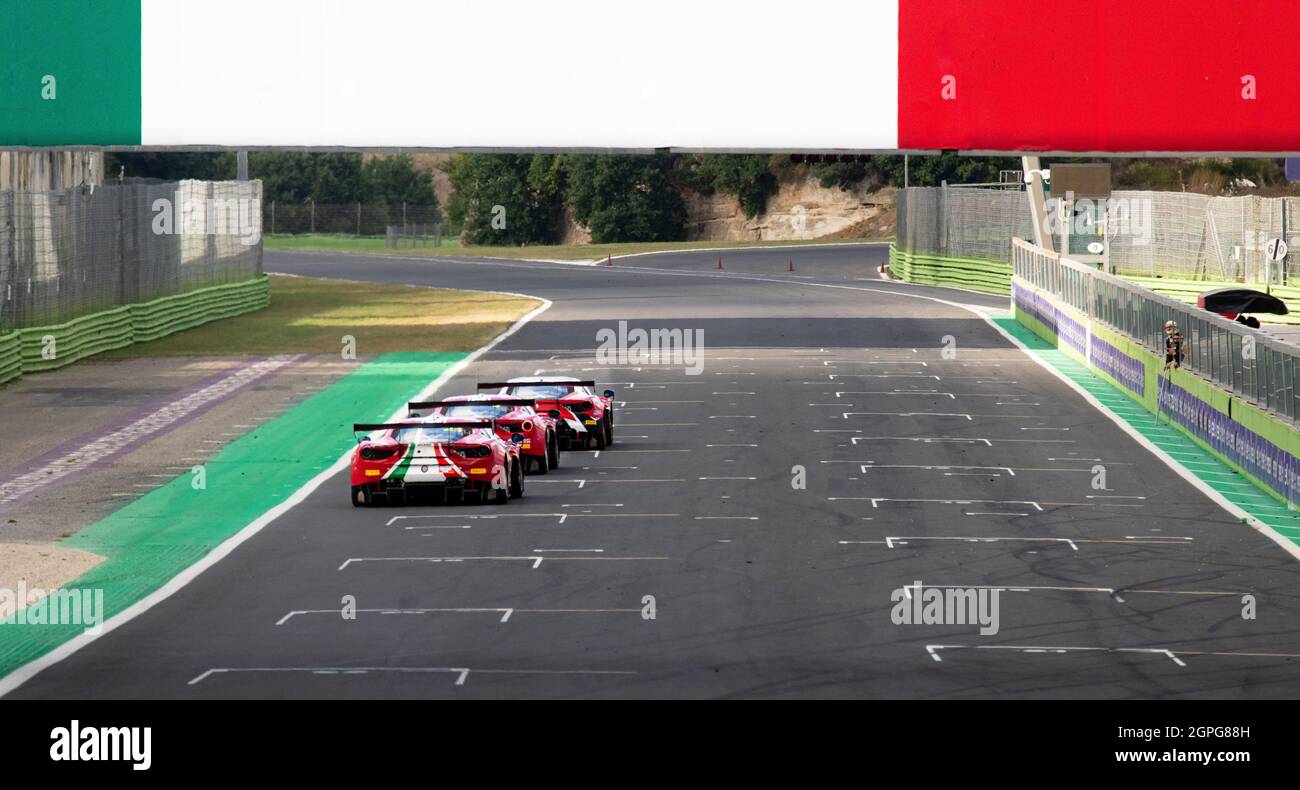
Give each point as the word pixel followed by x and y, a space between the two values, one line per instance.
pixel 626 198
pixel 506 199
pixel 295 177
pixel 394 180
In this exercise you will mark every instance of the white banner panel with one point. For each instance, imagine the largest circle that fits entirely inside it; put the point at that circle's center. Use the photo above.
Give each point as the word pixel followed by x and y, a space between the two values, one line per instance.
pixel 516 73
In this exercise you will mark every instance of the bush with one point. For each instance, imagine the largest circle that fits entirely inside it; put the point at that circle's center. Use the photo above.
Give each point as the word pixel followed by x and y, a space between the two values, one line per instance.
pixel 625 198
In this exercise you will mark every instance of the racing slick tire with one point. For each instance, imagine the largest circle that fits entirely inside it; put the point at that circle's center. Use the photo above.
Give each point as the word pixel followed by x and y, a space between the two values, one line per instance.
pixel 607 427
pixel 516 487
pixel 552 451
pixel 361 496
pixel 596 439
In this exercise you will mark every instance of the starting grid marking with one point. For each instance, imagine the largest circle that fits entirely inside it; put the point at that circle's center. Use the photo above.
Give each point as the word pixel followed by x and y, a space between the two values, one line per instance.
pixel 875 502
pixel 1172 655
pixel 506 612
pixel 894 541
pixel 461 673
pixel 1114 592
pixel 560 517
pixel 536 560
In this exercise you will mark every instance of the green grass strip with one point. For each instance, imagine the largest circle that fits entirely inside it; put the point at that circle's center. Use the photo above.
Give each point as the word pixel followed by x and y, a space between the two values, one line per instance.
pixel 157 536
pixel 1233 486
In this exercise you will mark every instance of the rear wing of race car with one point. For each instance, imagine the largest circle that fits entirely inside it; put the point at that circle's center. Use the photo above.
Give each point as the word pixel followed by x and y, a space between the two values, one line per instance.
pixel 436 404
pixel 496 385
pixel 369 427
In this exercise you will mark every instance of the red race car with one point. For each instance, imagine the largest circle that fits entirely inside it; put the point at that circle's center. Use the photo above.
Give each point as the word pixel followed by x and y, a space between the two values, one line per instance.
pixel 541 447
pixel 454 460
pixel 583 418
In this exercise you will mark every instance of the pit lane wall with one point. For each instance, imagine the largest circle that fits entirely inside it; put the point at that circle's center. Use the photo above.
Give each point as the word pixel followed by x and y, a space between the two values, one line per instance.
pixel 927 269
pixel 43 348
pixel 1257 444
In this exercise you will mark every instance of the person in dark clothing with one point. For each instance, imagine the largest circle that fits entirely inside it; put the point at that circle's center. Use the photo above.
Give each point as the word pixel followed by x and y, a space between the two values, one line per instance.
pixel 1173 345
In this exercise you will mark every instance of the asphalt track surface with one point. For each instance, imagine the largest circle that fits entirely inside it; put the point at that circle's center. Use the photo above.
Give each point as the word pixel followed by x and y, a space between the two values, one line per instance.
pixel 969 471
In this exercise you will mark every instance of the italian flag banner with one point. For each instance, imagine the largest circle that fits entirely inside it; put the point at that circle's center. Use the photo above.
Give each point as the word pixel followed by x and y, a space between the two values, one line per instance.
pixel 974 75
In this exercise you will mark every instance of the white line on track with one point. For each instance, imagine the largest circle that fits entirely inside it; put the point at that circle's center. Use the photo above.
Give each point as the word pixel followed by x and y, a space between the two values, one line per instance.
pixel 461 673
pixel 535 560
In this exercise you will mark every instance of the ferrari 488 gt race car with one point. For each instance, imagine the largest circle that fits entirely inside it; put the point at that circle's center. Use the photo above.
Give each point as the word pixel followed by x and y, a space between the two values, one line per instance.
pixel 583 418
pixel 541 446
pixel 452 460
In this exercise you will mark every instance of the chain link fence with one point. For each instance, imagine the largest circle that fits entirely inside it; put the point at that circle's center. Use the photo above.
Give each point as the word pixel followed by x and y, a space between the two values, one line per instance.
pixel 348 219
pixel 68 253
pixel 1180 235
pixel 962 222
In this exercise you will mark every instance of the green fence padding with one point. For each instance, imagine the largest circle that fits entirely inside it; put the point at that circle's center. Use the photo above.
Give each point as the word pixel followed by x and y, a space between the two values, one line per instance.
pixel 171 314
pixel 11 360
pixel 42 348
pixel 928 269
pixel 50 347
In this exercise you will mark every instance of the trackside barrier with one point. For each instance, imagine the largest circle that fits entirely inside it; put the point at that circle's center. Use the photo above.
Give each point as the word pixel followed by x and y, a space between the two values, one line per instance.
pixel 1246 362
pixel 45 348
pixel 973 273
pixel 1260 444
pixel 11 360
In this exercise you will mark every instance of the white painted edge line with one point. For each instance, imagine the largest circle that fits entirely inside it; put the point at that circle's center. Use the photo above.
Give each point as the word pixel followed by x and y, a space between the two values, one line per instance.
pixel 26 672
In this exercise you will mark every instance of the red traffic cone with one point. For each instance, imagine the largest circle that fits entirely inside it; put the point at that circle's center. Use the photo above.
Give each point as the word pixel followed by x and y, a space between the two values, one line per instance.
pixel 791 265
pixel 610 260
pixel 719 263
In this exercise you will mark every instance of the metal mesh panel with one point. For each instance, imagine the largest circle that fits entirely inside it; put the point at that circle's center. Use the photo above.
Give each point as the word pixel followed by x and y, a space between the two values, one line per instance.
pixel 1195 236
pixel 350 219
pixel 962 222
pixel 69 253
pixel 1168 234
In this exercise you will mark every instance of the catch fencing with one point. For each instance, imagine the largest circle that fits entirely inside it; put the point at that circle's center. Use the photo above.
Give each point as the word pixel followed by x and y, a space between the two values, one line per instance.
pixel 71 253
pixel 345 219
pixel 962 222
pixel 1180 235
pixel 1250 364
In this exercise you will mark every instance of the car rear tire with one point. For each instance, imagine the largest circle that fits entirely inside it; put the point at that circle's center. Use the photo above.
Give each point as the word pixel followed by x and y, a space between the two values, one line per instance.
pixel 541 464
pixel 552 452
pixel 360 496
pixel 596 439
pixel 516 488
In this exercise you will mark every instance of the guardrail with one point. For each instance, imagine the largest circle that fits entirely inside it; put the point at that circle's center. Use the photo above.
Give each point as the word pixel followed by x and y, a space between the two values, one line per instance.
pixel 1247 362
pixel 43 348
pixel 928 269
